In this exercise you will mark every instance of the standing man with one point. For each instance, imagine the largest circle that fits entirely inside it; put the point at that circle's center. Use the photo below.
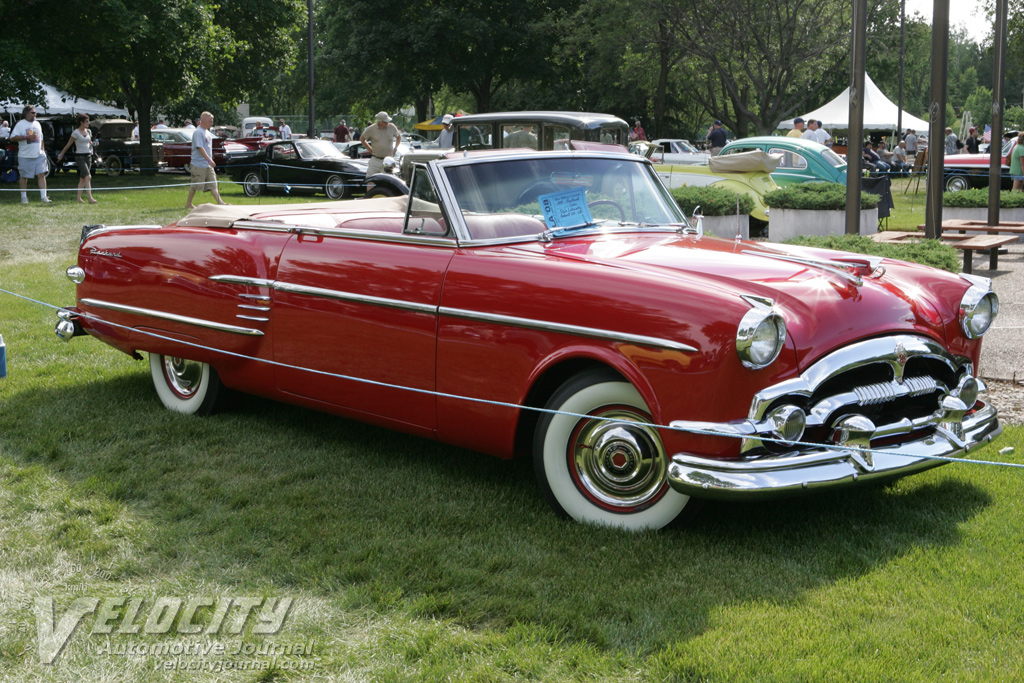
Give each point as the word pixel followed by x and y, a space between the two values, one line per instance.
pixel 911 140
pixel 284 129
pixel 382 140
pixel 444 140
pixel 822 135
pixel 798 128
pixel 717 137
pixel 204 175
pixel 341 132
pixel 951 146
pixel 971 143
pixel 31 158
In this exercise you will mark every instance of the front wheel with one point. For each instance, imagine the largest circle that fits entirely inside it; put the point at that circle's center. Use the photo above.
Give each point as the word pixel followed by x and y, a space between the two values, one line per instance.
pixel 335 187
pixel 608 468
pixel 381 191
pixel 957 183
pixel 187 168
pixel 252 185
pixel 185 386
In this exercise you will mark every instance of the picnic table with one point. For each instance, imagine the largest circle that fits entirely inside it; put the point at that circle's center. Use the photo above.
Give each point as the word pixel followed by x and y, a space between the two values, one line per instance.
pixel 966 225
pixel 968 244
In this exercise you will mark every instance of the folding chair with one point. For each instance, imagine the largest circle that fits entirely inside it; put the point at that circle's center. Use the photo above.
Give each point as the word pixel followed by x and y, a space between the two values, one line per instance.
pixel 919 169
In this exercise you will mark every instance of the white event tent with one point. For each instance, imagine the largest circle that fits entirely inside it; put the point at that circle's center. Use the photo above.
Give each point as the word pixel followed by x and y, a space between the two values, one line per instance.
pixel 60 103
pixel 880 113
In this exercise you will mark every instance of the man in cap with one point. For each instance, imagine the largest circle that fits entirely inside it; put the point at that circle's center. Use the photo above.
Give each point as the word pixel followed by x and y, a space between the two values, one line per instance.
pixel 341 132
pixel 382 140
pixel 444 140
pixel 798 128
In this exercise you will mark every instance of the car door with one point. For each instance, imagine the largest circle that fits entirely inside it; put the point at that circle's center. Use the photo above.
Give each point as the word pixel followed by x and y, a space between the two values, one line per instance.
pixel 283 165
pixel 360 302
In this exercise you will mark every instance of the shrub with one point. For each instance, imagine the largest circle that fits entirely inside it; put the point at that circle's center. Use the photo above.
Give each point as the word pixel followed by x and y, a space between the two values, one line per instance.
pixel 816 197
pixel 978 199
pixel 713 201
pixel 927 252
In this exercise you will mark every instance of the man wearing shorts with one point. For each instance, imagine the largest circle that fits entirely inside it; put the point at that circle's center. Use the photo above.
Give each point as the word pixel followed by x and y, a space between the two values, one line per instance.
pixel 204 175
pixel 31 157
pixel 382 140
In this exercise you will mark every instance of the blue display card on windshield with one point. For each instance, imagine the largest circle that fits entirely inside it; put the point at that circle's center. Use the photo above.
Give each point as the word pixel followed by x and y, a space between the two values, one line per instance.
pixel 565 209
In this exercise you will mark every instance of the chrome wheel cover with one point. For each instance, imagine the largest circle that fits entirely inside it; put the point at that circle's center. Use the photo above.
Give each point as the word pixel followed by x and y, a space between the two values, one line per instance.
pixel 184 377
pixel 335 187
pixel 252 185
pixel 617 462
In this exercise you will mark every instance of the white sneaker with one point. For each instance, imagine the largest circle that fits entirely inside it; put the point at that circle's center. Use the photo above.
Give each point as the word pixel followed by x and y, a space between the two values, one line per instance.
pixel 24 200
pixel 46 200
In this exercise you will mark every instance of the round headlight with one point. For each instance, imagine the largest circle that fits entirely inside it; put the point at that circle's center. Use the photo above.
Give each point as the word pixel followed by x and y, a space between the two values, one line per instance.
pixel 760 337
pixel 978 309
pixel 76 274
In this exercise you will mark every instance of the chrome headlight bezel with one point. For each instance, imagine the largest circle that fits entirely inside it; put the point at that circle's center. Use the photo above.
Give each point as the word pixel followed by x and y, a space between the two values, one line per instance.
pixel 978 307
pixel 762 322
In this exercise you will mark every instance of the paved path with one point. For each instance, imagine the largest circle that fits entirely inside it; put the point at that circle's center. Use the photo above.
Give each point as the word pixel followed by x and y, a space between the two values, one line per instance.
pixel 1002 351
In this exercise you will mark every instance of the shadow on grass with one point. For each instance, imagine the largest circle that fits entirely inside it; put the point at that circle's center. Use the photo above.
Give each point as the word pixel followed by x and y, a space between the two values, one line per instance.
pixel 270 496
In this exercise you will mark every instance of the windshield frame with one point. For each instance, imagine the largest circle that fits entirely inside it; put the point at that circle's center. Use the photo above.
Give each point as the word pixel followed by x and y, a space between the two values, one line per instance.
pixel 304 144
pixel 438 174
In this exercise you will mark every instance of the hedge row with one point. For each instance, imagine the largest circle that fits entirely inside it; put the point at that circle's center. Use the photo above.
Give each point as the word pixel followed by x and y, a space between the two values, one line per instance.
pixel 713 201
pixel 926 252
pixel 978 199
pixel 816 197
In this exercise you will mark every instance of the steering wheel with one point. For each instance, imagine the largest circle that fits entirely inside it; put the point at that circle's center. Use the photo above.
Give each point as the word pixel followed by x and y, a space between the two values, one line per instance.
pixel 533 191
pixel 609 202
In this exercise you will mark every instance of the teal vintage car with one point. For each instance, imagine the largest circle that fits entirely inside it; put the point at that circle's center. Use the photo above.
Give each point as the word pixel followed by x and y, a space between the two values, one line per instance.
pixel 803 161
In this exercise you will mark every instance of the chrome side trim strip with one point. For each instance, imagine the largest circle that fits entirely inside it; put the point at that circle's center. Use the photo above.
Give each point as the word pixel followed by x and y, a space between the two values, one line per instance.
pixel 240 280
pixel 402 238
pixel 254 308
pixel 350 296
pixel 569 329
pixel 254 318
pixel 255 297
pixel 163 315
pixel 267 226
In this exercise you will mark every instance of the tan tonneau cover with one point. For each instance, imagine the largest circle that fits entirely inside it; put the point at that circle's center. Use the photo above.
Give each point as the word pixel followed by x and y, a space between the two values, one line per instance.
pixel 745 162
pixel 217 216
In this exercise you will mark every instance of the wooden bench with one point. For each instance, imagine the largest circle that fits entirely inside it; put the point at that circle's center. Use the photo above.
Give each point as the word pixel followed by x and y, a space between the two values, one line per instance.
pixel 966 243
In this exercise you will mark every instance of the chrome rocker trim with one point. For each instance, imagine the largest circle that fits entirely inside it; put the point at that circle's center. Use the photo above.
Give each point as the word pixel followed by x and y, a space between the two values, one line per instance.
pixel 790 474
pixel 162 315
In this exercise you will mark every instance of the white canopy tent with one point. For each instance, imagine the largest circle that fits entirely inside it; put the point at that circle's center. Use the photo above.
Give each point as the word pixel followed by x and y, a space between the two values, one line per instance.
pixel 880 113
pixel 60 103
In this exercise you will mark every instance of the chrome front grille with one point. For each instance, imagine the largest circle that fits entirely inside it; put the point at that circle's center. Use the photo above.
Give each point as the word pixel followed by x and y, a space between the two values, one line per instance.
pixel 898 383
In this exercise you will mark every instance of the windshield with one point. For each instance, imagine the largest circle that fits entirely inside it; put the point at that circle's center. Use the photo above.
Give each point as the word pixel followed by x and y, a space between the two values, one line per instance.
pixel 527 197
pixel 318 149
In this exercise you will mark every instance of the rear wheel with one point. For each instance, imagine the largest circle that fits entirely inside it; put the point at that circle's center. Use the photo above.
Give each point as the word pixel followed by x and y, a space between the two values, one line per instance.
pixel 252 185
pixel 608 468
pixel 335 187
pixel 187 168
pixel 185 386
pixel 113 165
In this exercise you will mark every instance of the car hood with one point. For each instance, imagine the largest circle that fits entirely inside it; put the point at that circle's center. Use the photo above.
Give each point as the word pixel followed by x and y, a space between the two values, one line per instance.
pixel 823 307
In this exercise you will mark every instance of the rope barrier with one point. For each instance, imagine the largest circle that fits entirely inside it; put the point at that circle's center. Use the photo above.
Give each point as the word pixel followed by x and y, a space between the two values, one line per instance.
pixel 505 404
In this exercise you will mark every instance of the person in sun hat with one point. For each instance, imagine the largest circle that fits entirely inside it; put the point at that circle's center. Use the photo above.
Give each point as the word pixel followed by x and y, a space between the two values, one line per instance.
pixel 382 140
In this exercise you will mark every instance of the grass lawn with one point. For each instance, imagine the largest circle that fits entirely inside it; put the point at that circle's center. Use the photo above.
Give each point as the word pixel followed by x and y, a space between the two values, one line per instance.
pixel 412 561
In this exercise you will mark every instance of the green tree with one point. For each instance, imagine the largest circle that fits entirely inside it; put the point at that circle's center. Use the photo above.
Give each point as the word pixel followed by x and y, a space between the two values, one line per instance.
pixel 149 53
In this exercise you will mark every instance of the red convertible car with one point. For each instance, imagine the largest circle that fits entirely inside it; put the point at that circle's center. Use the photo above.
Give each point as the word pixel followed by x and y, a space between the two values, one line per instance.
pixel 557 305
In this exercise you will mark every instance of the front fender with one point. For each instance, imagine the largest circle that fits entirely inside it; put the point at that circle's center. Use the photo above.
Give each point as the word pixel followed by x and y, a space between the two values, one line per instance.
pixel 389 180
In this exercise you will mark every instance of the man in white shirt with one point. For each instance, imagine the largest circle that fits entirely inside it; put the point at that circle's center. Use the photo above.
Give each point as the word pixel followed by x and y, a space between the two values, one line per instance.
pixel 284 129
pixel 444 139
pixel 31 157
pixel 204 176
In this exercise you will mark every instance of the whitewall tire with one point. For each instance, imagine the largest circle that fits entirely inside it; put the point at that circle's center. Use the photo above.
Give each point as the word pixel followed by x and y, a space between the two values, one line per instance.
pixel 185 386
pixel 611 471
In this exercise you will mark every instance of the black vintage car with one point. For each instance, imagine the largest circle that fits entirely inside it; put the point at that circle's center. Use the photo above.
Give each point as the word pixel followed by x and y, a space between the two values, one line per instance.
pixel 303 165
pixel 116 150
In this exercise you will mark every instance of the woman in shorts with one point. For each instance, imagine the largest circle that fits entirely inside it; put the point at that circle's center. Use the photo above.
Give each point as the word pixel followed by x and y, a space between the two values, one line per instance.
pixel 82 139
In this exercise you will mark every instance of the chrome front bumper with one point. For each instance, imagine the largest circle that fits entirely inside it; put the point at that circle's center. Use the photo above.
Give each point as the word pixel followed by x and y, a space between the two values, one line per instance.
pixel 790 474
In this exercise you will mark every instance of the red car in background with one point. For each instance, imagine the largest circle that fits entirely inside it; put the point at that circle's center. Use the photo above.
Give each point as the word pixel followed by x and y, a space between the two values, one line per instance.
pixel 964 171
pixel 178 147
